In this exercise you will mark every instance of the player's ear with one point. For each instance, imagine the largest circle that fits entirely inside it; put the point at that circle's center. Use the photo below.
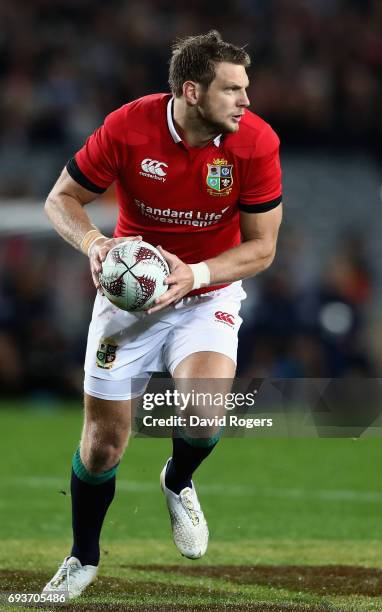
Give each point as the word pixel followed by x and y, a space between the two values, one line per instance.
pixel 190 92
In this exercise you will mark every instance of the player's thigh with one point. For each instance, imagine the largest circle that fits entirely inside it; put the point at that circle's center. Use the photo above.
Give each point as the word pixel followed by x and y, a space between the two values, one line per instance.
pixel 107 425
pixel 206 378
pixel 206 365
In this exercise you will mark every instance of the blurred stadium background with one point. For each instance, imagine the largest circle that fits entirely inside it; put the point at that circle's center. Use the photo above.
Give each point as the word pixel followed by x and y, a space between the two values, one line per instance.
pixel 315 78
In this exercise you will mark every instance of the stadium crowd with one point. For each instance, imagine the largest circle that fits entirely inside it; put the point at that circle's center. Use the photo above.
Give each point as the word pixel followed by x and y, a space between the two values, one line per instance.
pixel 301 328
pixel 65 65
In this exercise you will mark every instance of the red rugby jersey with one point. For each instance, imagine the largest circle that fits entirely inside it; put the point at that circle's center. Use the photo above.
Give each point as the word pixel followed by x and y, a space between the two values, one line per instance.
pixel 187 199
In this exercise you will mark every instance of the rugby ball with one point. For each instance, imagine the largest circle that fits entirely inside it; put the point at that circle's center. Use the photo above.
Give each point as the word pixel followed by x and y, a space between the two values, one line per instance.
pixel 132 275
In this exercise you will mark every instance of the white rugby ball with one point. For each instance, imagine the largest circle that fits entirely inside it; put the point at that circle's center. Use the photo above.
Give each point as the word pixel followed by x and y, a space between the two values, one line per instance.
pixel 132 275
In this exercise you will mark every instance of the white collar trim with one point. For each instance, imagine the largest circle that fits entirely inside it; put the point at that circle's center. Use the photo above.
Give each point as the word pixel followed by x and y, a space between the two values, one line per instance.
pixel 174 134
pixel 170 122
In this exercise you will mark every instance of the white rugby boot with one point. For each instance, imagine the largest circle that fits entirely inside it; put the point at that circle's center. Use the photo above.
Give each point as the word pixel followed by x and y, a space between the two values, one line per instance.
pixel 71 578
pixel 189 527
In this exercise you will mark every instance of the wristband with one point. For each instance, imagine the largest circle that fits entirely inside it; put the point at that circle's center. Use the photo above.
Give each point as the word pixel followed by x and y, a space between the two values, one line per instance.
pixel 88 240
pixel 93 242
pixel 202 275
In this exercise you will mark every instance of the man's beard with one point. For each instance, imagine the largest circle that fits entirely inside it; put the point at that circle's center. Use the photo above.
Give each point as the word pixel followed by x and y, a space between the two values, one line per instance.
pixel 210 124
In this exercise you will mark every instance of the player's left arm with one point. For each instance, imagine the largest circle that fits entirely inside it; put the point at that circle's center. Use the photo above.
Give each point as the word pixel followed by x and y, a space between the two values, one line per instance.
pixel 255 254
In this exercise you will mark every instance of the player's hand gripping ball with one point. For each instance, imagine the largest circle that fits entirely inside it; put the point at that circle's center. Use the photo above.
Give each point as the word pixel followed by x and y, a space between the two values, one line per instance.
pixel 132 275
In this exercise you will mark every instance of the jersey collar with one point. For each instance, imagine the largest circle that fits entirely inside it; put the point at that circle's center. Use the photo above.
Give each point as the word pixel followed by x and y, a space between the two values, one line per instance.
pixel 174 134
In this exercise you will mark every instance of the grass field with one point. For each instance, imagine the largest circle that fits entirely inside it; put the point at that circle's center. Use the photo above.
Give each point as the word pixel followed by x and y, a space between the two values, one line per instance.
pixel 295 524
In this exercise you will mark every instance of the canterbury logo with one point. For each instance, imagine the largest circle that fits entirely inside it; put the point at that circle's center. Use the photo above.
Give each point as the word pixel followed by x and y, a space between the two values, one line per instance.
pixel 153 168
pixel 225 317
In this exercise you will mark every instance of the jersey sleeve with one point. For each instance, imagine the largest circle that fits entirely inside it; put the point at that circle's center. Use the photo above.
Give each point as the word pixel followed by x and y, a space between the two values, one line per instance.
pixel 95 165
pixel 261 190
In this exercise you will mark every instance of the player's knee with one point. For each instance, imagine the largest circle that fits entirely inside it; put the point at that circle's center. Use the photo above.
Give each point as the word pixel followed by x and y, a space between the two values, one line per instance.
pixel 101 447
pixel 204 424
pixel 201 436
pixel 205 433
pixel 100 457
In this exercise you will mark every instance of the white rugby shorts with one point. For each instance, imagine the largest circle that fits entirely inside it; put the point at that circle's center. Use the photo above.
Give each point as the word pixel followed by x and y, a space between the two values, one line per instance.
pixel 125 348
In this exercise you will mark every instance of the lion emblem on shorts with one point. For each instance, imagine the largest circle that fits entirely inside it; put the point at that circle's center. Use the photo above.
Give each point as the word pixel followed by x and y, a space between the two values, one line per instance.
pixel 106 353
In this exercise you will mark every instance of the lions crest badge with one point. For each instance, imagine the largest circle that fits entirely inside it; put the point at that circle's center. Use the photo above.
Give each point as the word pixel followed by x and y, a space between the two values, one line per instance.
pixel 219 177
pixel 106 353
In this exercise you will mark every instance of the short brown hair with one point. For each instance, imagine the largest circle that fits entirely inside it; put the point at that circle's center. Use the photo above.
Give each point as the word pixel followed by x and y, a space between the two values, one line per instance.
pixel 194 57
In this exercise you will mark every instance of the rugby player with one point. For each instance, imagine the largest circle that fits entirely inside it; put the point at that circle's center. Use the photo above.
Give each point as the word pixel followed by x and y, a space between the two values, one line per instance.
pixel 198 174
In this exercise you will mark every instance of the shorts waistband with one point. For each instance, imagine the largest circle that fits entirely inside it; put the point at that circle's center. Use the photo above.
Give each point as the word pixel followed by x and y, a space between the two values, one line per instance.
pixel 208 295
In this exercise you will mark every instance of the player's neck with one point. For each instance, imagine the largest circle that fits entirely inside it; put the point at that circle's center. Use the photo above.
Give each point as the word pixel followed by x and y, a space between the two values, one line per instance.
pixel 193 130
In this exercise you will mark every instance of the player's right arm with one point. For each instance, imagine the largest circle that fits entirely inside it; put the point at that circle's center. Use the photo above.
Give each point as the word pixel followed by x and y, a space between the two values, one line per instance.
pixel 90 172
pixel 65 209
